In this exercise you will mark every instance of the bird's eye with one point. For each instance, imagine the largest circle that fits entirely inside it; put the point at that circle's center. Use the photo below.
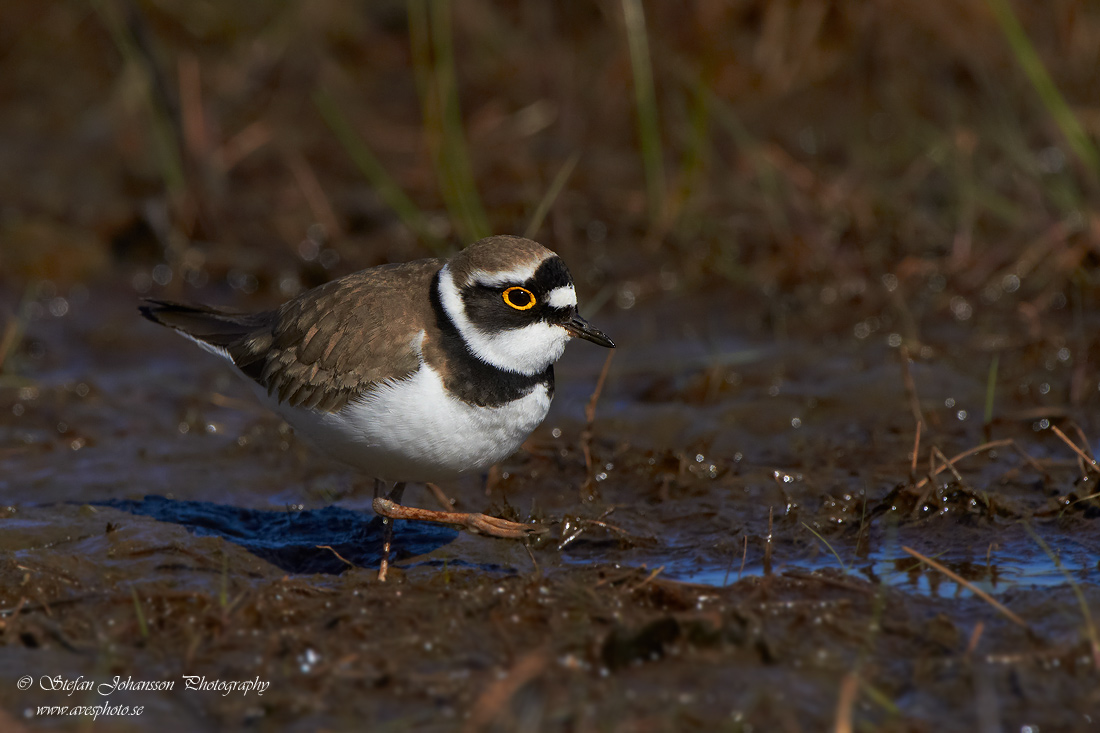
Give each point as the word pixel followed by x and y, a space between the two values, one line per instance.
pixel 519 298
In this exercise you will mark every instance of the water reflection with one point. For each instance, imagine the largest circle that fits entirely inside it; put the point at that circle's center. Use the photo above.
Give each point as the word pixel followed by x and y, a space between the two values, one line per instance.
pixel 295 541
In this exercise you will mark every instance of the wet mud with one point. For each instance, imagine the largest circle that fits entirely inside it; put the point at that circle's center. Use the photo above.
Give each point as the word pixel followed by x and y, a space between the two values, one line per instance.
pixel 734 555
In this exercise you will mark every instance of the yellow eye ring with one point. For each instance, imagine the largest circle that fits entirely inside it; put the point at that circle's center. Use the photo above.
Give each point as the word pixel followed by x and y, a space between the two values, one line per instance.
pixel 526 298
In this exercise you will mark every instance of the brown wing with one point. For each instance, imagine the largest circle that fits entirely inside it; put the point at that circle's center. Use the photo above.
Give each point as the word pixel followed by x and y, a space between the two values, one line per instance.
pixel 327 345
pixel 340 339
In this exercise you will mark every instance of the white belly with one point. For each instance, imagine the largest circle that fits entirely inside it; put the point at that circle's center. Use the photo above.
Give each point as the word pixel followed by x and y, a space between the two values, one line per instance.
pixel 413 430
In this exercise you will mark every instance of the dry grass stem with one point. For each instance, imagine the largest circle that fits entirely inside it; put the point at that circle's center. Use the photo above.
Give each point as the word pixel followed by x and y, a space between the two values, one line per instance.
pixel 1081 437
pixel 551 195
pixel 590 418
pixel 192 116
pixel 969 586
pixel 490 705
pixel 910 386
pixel 975 637
pixel 916 452
pixel 1029 460
pixel 969 452
pixel 950 467
pixel 651 577
pixel 445 502
pixel 339 557
pixel 12 330
pixel 768 544
pixel 1088 461
pixel 244 143
pixel 849 688
pixel 744 557
pixel 590 408
pixel 314 193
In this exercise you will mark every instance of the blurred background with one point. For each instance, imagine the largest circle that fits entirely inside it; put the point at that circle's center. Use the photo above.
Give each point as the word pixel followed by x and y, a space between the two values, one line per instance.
pixel 823 159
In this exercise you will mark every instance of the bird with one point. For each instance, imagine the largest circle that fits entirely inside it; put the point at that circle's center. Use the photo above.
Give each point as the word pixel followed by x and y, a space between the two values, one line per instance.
pixel 413 372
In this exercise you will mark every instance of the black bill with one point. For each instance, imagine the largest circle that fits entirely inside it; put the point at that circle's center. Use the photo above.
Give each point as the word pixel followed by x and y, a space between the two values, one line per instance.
pixel 582 329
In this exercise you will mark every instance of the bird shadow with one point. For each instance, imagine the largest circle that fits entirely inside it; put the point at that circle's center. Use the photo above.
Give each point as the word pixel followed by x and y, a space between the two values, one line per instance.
pixel 295 541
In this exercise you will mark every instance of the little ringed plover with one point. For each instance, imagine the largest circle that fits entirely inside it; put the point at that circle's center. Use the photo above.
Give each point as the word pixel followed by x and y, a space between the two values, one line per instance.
pixel 414 372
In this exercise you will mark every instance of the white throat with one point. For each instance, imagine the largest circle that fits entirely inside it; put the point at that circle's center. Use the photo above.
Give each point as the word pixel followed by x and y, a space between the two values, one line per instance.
pixel 528 350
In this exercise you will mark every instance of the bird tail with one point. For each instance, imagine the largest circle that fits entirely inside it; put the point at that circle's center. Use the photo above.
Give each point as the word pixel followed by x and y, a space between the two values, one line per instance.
pixel 202 323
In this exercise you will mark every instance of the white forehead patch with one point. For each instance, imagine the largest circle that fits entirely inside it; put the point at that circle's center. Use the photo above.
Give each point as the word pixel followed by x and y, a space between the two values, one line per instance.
pixel 563 297
pixel 520 274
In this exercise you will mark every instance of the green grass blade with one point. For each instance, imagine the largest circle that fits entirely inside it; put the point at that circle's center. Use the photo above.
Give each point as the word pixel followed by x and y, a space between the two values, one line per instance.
pixel 825 542
pixel 223 590
pixel 11 335
pixel 431 41
pixel 166 142
pixel 143 627
pixel 1053 100
pixel 454 140
pixel 991 389
pixel 551 195
pixel 771 182
pixel 880 698
pixel 373 170
pixel 696 154
pixel 645 97
pixel 1086 612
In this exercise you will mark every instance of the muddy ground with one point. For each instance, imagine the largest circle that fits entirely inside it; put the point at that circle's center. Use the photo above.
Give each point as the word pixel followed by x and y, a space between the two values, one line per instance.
pixel 870 253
